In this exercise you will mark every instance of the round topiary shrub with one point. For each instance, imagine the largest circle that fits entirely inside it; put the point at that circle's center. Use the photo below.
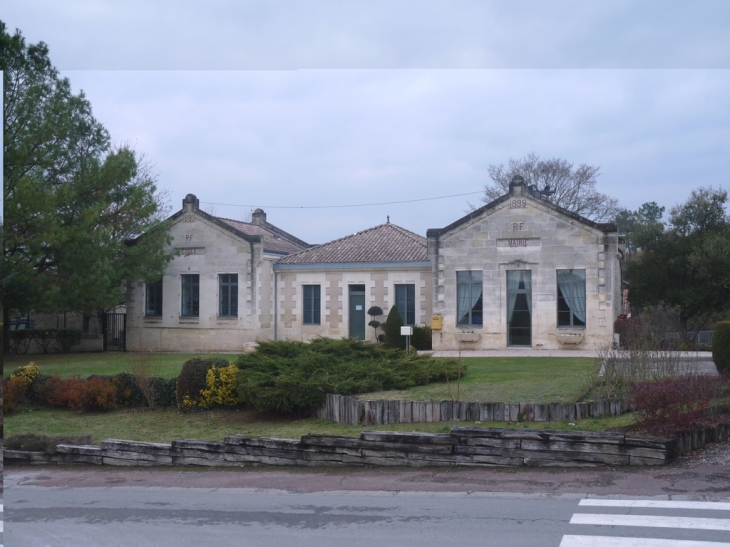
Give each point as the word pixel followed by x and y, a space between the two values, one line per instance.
pixel 191 381
pixel 721 346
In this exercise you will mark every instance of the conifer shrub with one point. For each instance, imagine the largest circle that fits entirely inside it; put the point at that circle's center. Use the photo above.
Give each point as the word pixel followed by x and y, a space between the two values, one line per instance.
pixel 421 339
pixel 294 377
pixel 393 323
pixel 721 346
pixel 191 381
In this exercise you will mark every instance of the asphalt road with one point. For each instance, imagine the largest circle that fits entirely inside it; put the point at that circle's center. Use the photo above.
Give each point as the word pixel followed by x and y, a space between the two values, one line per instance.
pixel 91 506
pixel 180 517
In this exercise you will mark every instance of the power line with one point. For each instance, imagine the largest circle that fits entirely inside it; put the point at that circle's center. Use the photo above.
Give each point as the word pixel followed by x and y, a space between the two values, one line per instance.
pixel 341 206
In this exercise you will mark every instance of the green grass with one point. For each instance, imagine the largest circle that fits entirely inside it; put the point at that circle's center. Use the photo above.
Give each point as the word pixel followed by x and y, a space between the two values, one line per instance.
pixel 86 364
pixel 508 379
pixel 165 425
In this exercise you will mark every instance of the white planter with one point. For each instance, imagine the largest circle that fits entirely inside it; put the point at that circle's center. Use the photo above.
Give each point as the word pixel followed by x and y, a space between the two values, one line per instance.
pixel 570 338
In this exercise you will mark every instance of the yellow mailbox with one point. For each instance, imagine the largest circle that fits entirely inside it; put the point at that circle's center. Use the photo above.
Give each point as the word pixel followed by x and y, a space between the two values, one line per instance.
pixel 437 322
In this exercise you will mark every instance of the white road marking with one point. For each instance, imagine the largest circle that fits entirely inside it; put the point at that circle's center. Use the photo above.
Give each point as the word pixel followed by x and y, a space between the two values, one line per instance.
pixel 604 541
pixel 659 504
pixel 651 521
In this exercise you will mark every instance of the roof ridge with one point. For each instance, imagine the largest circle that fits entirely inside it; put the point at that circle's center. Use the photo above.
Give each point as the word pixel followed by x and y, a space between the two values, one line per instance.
pixel 414 236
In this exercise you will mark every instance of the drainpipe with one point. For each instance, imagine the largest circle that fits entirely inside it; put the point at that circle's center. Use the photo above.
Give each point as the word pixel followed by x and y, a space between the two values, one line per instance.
pixel 276 305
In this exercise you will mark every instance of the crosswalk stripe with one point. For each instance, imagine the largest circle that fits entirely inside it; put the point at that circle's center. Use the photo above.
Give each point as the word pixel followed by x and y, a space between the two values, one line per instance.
pixel 660 504
pixel 605 541
pixel 651 521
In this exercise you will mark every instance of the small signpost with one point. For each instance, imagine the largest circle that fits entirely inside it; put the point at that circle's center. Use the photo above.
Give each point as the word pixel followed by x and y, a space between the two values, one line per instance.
pixel 407 332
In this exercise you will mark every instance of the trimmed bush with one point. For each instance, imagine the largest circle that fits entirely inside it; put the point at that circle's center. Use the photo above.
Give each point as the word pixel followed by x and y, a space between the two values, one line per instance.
pixel 220 390
pixel 192 379
pixel 294 377
pixel 393 323
pixel 43 389
pixel 93 394
pixel 43 443
pixel 28 373
pixel 421 339
pixel 721 346
pixel 14 391
pixel 676 403
pixel 68 338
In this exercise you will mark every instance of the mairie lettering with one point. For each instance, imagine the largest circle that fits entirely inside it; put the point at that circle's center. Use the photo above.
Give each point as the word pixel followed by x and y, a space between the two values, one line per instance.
pixel 517 242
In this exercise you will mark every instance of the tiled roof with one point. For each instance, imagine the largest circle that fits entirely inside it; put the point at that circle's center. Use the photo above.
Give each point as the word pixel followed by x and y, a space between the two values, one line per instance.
pixel 274 241
pixel 384 243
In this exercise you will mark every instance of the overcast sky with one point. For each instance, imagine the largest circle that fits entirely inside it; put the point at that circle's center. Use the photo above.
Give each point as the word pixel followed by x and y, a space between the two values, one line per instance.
pixel 300 104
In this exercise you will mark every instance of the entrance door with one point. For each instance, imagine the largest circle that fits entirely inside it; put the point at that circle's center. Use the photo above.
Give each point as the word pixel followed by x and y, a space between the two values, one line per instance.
pixel 114 329
pixel 357 312
pixel 519 308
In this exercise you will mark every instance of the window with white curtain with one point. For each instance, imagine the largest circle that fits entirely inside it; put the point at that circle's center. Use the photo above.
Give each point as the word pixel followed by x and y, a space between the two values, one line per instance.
pixel 571 298
pixel 469 298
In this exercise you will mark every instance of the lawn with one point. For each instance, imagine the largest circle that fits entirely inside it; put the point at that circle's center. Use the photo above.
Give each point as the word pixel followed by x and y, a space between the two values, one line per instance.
pixel 86 364
pixel 492 379
pixel 165 425
pixel 513 379
pixel 509 379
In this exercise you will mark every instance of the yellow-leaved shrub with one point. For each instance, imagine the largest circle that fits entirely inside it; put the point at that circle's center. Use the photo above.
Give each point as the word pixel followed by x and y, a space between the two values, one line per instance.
pixel 220 390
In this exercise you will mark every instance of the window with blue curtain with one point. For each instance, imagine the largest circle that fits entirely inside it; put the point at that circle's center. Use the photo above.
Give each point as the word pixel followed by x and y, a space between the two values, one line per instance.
pixel 311 304
pixel 405 301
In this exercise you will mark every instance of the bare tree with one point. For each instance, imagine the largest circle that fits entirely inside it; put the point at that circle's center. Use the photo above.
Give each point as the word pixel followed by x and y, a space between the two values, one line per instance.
pixel 575 187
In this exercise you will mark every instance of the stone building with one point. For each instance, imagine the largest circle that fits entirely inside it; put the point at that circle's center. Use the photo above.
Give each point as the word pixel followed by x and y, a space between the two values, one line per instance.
pixel 523 272
pixel 326 290
pixel 519 272
pixel 217 294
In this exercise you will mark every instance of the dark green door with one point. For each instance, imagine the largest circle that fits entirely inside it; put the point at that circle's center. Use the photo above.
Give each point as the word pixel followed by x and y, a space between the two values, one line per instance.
pixel 357 312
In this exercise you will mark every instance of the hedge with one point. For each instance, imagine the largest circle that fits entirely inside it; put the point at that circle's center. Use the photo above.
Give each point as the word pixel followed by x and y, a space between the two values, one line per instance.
pixel 721 346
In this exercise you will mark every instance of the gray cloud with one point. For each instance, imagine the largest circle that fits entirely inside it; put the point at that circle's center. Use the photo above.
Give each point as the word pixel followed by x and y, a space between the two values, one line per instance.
pixel 280 34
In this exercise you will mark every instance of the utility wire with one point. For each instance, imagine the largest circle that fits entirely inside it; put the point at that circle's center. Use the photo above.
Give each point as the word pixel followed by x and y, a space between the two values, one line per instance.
pixel 341 206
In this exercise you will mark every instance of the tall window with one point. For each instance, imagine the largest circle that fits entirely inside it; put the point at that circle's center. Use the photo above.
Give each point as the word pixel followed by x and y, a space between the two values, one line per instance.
pixel 153 300
pixel 311 304
pixel 228 291
pixel 405 301
pixel 190 295
pixel 469 298
pixel 571 298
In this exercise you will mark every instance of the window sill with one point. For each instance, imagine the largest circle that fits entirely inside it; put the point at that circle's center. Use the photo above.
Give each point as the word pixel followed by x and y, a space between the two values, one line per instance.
pixel 226 318
pixel 566 327
pixel 188 319
pixel 152 319
pixel 312 324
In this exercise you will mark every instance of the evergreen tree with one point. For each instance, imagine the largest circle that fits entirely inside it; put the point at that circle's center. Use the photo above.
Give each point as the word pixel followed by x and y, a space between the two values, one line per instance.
pixel 393 323
pixel 73 202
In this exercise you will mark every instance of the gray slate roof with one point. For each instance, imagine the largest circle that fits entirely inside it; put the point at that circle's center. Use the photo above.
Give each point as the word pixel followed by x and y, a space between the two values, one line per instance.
pixel 383 243
pixel 275 240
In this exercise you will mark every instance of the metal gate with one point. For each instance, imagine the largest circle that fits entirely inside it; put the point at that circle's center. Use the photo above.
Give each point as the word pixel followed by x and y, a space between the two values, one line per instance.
pixel 115 330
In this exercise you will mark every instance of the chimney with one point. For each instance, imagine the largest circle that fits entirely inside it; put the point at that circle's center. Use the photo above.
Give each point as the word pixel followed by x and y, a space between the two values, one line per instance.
pixel 258 217
pixel 192 200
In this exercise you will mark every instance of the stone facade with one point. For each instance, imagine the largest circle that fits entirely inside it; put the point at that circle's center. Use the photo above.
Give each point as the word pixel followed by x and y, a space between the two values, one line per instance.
pixel 379 284
pixel 524 233
pixel 208 248
pixel 520 235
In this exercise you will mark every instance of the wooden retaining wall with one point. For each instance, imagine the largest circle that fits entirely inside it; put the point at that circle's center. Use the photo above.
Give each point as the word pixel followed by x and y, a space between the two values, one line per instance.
pixel 464 446
pixel 353 411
